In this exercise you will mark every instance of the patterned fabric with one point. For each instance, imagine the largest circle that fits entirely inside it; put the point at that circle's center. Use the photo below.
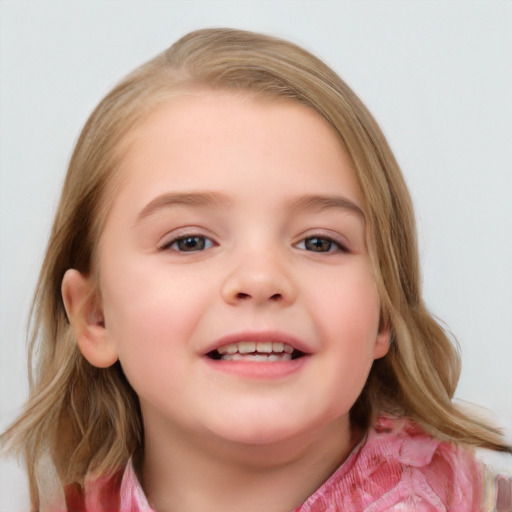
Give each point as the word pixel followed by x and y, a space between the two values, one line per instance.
pixel 397 468
pixel 400 468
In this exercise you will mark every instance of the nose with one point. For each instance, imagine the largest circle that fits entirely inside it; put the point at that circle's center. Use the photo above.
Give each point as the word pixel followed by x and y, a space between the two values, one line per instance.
pixel 259 279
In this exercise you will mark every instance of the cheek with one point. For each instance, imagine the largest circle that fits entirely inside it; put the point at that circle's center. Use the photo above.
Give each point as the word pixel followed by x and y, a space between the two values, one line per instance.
pixel 350 306
pixel 149 317
pixel 151 337
pixel 348 318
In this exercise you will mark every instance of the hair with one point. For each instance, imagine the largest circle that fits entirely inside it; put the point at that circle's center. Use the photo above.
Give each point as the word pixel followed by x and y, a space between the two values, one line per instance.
pixel 88 419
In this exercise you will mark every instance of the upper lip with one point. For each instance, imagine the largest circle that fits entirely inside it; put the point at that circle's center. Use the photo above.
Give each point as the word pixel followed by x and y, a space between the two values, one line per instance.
pixel 260 336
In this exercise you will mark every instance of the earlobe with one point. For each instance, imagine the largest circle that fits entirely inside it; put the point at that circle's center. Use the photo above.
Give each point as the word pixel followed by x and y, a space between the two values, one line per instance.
pixel 86 319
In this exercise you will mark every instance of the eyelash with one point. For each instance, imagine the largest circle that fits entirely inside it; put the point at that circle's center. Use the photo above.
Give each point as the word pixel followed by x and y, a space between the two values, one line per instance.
pixel 326 244
pixel 206 243
pixel 333 245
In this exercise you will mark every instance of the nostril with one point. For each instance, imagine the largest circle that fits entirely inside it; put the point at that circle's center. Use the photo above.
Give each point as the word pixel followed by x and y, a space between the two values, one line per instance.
pixel 246 296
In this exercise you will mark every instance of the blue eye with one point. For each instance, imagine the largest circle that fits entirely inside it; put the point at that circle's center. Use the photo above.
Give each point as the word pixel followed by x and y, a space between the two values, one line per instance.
pixel 320 244
pixel 189 243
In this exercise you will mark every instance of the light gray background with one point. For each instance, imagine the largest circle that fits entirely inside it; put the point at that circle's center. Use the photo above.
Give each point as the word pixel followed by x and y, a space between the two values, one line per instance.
pixel 436 74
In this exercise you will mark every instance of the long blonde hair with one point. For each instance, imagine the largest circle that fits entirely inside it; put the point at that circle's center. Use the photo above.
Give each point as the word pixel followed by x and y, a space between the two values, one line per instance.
pixel 87 418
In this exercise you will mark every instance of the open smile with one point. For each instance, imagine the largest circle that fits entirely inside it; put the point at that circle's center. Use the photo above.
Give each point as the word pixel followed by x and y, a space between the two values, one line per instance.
pixel 258 354
pixel 261 351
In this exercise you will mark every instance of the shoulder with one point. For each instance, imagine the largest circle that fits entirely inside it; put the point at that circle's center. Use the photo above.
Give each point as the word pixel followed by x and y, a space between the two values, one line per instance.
pixel 399 467
pixel 437 475
pixel 120 492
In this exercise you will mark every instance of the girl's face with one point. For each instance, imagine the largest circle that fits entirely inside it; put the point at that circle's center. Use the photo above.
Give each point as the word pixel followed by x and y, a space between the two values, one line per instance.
pixel 235 281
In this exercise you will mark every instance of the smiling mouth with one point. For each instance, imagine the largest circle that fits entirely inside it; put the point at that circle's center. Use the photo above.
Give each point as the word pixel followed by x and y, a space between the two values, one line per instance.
pixel 266 351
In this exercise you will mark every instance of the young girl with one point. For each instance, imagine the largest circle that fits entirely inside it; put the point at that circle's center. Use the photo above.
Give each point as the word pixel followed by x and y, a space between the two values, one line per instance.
pixel 229 313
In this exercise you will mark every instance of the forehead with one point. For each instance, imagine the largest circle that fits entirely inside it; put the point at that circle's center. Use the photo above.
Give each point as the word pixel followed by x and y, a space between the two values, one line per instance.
pixel 207 135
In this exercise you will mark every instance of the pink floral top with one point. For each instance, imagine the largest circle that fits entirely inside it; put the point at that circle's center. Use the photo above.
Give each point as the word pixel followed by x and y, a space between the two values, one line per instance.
pixel 396 468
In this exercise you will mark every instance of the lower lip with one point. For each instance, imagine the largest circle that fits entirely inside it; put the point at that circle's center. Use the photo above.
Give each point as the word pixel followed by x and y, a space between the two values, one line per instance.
pixel 258 369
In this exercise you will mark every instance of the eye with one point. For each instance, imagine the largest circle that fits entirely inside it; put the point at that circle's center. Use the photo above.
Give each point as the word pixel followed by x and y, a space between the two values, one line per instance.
pixel 188 243
pixel 320 244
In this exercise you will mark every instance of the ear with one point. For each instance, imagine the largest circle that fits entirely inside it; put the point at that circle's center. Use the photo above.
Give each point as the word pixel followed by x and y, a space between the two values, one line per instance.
pixel 86 319
pixel 381 347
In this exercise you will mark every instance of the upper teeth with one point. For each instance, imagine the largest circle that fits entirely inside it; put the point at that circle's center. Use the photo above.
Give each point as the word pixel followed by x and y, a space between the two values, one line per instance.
pixel 248 347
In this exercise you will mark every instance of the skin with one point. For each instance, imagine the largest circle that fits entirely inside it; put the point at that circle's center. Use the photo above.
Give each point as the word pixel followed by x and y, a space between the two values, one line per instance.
pixel 266 261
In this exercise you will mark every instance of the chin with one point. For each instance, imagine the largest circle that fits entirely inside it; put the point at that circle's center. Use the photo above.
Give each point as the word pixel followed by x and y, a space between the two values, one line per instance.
pixel 270 429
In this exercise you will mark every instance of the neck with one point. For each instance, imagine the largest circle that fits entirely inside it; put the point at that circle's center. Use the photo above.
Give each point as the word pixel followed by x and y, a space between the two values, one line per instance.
pixel 187 474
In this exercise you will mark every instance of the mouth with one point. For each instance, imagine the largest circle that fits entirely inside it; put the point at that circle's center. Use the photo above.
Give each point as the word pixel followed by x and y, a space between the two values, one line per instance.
pixel 259 355
pixel 255 351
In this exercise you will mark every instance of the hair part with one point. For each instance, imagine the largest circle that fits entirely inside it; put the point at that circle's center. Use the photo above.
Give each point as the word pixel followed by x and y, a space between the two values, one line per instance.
pixel 89 419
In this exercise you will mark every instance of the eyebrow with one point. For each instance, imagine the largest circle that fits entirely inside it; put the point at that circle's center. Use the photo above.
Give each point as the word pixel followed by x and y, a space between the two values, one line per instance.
pixel 196 199
pixel 320 203
pixel 219 200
